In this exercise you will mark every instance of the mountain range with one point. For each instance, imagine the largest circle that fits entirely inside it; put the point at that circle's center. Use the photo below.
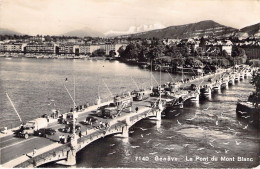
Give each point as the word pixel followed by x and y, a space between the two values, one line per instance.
pixel 84 32
pixel 198 29
pixel 4 31
pixel 249 31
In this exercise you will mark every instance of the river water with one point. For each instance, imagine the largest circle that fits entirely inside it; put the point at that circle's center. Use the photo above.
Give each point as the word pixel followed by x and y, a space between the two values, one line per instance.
pixel 203 134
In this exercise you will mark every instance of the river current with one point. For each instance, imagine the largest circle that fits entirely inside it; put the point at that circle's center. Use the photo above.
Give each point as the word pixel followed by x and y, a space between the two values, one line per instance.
pixel 203 134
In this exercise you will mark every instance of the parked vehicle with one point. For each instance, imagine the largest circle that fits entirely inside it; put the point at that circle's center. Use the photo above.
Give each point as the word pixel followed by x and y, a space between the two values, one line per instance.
pixel 69 117
pixel 114 109
pixel 193 87
pixel 141 95
pixel 45 131
pixel 62 119
pixel 31 127
pixel 69 128
pixel 90 120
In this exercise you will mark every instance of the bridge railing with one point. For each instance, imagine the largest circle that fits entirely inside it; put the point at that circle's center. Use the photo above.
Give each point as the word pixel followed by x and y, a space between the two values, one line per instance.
pixel 98 134
pixel 42 158
pixel 140 116
pixel 10 126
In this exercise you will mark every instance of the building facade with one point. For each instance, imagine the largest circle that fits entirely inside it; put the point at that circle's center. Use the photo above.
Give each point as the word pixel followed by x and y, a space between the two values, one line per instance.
pixel 252 52
pixel 107 47
pixel 48 48
pixel 92 48
pixel 12 47
pixel 84 49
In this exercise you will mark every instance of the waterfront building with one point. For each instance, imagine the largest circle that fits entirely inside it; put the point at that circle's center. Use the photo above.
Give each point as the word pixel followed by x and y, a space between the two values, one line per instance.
pixel 61 49
pixel 84 49
pixel 68 49
pixel 38 38
pixel 48 48
pixel 107 47
pixel 252 52
pixel 222 45
pixel 76 50
pixel 12 47
pixel 227 46
pixel 1 47
pixel 93 47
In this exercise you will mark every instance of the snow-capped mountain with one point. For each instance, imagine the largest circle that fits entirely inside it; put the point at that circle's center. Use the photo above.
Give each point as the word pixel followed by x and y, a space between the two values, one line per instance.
pixel 135 29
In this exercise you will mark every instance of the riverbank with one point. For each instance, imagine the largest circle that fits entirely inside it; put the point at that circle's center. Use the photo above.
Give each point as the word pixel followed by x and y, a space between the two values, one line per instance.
pixel 52 56
pixel 171 67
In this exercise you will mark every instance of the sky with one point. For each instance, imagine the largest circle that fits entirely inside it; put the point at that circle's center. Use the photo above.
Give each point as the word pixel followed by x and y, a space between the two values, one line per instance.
pixel 55 17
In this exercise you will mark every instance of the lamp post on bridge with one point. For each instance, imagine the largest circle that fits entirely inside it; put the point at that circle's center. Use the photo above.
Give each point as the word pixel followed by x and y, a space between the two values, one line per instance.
pixel 160 93
pixel 151 83
pixel 74 139
pixel 71 155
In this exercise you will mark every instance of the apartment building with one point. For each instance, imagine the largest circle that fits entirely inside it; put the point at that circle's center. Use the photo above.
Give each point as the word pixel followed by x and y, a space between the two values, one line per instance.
pixel 107 47
pixel 40 48
pixel 93 47
pixel 12 47
pixel 84 49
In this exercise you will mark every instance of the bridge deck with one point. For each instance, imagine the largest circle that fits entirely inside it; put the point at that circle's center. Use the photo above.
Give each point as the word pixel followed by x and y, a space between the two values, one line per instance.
pixel 25 146
pixel 13 150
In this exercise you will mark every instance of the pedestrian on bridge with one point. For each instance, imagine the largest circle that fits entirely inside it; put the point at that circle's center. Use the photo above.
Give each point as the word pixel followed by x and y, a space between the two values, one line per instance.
pixel 80 134
pixel 136 109
pixel 34 151
pixel 68 138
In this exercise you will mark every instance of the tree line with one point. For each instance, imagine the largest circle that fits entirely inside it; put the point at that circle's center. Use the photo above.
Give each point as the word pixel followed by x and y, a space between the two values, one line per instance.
pixel 181 53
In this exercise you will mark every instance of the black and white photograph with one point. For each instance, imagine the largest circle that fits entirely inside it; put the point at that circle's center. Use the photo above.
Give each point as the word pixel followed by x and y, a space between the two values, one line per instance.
pixel 129 84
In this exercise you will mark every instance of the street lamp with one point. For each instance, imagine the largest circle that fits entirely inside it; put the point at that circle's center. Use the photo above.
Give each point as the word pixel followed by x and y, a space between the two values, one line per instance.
pixel 73 140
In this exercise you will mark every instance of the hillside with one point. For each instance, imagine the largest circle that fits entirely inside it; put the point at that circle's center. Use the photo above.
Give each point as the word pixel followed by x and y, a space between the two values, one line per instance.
pixel 253 30
pixel 4 31
pixel 84 32
pixel 199 29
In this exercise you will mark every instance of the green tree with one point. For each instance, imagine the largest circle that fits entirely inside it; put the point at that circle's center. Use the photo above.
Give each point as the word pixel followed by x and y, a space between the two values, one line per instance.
pixel 154 53
pixel 112 53
pixel 121 51
pixel 256 95
pixel 99 52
